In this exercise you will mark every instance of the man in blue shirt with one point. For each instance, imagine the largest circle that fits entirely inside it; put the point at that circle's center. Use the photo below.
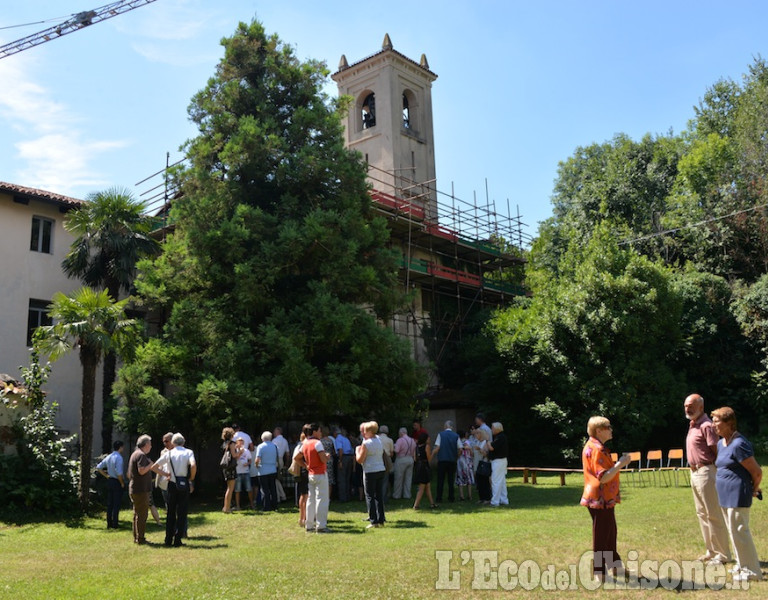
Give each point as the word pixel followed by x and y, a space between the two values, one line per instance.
pixel 346 460
pixel 112 468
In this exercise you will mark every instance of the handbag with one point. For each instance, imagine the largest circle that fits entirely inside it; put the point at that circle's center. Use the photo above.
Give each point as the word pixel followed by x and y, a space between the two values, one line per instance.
pixel 296 465
pixel 182 483
pixel 228 461
pixel 387 461
pixel 484 468
pixel 295 468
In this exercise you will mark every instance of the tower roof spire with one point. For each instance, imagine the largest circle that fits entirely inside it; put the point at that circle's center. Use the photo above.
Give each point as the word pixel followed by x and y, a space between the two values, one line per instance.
pixel 387 43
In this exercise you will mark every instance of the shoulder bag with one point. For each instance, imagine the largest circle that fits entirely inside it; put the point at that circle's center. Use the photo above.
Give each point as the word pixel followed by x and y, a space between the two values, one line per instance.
pixel 484 468
pixel 182 483
pixel 387 460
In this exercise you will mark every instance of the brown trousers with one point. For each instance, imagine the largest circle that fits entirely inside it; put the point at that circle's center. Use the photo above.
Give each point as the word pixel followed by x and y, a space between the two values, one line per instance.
pixel 604 532
pixel 140 511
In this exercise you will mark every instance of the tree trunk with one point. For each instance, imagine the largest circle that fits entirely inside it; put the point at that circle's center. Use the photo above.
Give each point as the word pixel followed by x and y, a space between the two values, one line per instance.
pixel 108 402
pixel 89 360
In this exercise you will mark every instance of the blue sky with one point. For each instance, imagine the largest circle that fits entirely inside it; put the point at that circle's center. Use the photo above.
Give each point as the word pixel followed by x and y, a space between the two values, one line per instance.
pixel 520 84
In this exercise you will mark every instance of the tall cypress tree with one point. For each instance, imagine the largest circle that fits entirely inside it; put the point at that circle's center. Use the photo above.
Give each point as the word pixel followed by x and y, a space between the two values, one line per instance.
pixel 278 278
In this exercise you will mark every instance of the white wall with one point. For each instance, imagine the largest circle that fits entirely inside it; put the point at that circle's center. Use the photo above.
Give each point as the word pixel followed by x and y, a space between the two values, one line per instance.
pixel 25 274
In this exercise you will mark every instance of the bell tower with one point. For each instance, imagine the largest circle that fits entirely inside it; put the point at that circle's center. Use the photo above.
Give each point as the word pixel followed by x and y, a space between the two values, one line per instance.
pixel 390 123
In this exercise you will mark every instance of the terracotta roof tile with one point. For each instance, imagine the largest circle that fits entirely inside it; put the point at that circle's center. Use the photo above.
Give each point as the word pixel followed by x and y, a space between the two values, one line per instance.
pixel 20 190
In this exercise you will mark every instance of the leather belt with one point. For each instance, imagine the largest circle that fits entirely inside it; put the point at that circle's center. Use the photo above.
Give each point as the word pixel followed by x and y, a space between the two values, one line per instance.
pixel 695 468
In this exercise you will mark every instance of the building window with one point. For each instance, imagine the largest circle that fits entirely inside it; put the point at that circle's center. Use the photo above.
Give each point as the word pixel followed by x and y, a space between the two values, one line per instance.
pixel 42 229
pixel 406 113
pixel 369 111
pixel 37 317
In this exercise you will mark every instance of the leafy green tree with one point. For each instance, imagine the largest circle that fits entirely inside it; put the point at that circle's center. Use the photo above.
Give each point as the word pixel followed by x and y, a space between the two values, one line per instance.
pixel 621 180
pixel 278 279
pixel 597 339
pixel 715 113
pixel 111 235
pixel 93 323
pixel 751 311
pixel 717 206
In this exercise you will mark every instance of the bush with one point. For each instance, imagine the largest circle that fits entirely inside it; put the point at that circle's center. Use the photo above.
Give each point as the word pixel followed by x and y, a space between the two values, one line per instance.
pixel 40 478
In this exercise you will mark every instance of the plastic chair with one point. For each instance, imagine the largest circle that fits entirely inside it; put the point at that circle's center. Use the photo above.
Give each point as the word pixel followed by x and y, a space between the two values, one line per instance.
pixel 653 456
pixel 635 457
pixel 675 454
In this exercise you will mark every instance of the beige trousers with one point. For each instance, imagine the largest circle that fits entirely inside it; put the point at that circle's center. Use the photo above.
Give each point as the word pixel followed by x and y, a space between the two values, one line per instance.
pixel 708 510
pixel 741 538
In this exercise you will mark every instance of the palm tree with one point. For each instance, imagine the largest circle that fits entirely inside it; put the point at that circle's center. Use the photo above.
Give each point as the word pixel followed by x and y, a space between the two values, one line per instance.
pixel 111 235
pixel 93 323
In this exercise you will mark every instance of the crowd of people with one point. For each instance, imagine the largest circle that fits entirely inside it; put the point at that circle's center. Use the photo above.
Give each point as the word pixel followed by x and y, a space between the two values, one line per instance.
pixel 370 466
pixel 324 465
pixel 175 476
pixel 724 479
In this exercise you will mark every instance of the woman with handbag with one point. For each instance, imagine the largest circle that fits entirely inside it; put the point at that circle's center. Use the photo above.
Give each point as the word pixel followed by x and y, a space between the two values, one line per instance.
pixel 483 471
pixel 229 465
pixel 298 469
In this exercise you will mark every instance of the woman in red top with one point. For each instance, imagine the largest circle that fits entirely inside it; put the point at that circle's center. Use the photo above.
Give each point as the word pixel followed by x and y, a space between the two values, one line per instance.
pixel 601 494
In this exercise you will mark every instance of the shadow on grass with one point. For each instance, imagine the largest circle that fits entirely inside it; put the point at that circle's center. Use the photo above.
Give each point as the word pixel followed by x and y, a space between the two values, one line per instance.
pixel 36 519
pixel 194 545
pixel 353 527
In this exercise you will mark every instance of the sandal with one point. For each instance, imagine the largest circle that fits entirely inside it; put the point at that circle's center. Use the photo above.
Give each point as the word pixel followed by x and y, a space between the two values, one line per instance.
pixel 433 506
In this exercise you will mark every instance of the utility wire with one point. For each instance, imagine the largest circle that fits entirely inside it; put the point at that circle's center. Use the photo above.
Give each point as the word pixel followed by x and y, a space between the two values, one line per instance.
pixel 692 225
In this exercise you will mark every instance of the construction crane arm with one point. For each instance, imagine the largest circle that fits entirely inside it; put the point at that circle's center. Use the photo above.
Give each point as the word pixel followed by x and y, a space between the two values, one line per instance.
pixel 76 22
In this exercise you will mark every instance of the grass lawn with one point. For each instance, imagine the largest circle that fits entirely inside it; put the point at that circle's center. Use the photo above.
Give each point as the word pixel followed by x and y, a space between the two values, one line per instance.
pixel 253 555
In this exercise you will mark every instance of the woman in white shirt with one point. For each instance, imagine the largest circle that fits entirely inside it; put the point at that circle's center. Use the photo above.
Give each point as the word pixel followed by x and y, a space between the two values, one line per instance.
pixel 370 455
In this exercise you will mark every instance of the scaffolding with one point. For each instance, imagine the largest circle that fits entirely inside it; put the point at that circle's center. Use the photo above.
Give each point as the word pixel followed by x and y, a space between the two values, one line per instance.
pixel 458 254
pixel 455 255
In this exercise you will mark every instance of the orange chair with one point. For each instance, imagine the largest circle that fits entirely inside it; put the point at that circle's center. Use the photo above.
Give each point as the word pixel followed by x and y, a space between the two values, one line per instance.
pixel 676 454
pixel 653 456
pixel 635 457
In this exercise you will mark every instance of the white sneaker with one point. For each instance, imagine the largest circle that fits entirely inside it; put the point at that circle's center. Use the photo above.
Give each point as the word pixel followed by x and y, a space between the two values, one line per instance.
pixel 747 575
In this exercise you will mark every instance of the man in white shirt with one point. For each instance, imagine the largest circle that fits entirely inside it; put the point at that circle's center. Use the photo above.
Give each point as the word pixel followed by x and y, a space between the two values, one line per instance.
pixel 281 443
pixel 160 481
pixel 181 463
pixel 388 444
pixel 241 435
pixel 284 453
